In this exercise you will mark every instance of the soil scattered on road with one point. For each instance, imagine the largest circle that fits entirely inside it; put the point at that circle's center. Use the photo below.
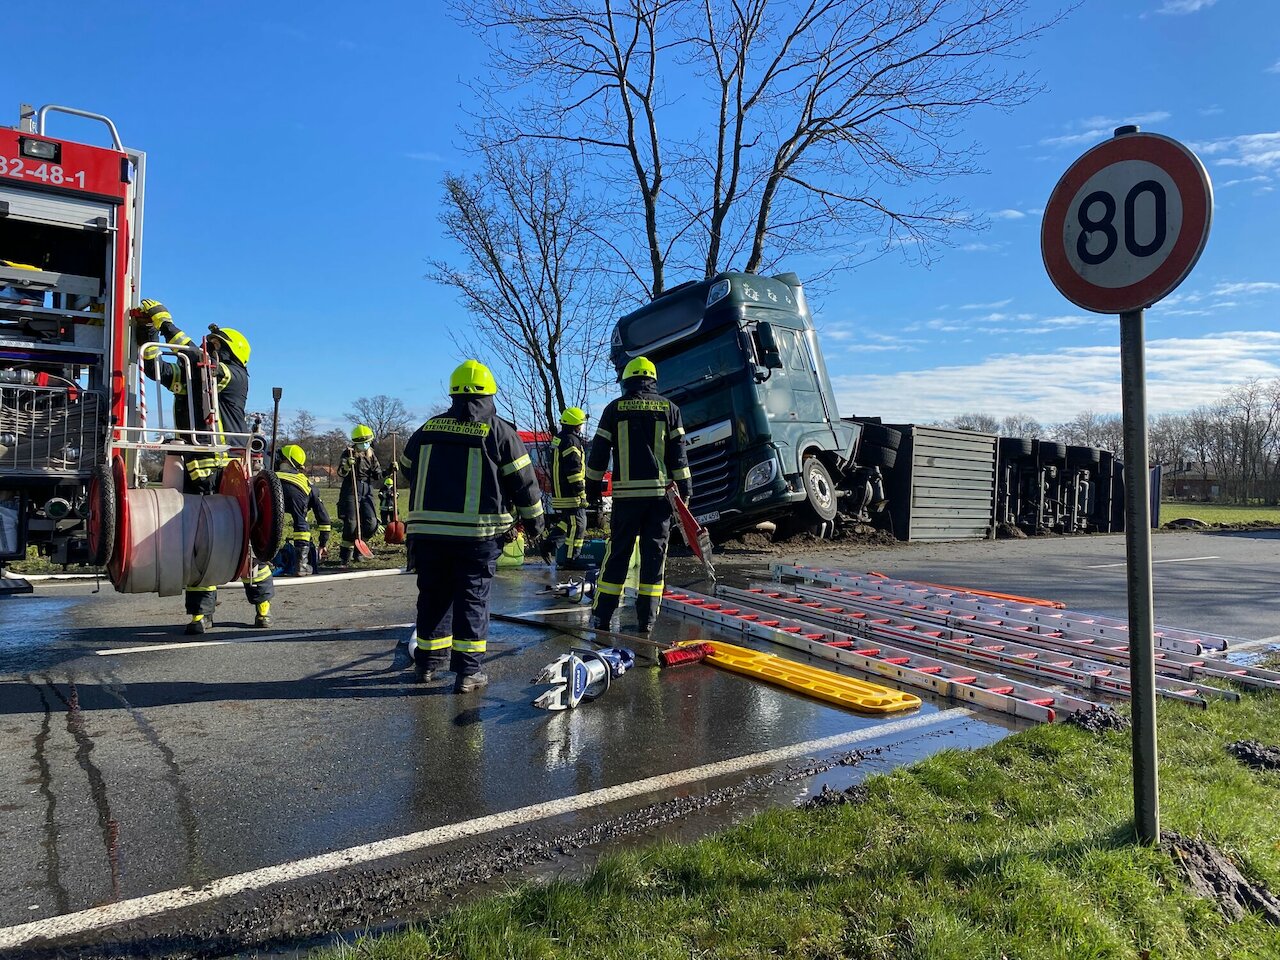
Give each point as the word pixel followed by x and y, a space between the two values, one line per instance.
pixel 1211 875
pixel 857 793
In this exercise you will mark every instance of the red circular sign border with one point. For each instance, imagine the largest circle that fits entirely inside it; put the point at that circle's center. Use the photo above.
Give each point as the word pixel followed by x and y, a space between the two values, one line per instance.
pixel 1193 185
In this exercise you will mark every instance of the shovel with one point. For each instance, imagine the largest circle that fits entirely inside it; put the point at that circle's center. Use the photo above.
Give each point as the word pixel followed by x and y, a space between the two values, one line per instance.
pixel 695 534
pixel 362 548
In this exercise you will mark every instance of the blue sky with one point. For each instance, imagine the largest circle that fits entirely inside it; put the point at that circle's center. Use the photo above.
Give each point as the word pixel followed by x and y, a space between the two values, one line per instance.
pixel 296 151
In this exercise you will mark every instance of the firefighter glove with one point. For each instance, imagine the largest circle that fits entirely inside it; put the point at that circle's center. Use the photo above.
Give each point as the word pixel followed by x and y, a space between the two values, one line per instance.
pixel 595 492
pixel 154 312
pixel 686 490
pixel 534 528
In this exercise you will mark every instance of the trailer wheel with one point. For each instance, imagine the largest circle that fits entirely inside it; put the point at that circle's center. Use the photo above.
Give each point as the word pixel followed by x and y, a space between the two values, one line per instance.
pixel 1015 448
pixel 1051 452
pixel 876 456
pixel 266 534
pixel 102 515
pixel 1080 458
pixel 881 436
pixel 819 490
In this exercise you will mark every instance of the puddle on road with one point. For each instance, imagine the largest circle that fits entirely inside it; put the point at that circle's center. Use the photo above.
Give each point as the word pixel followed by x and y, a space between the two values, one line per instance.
pixel 35 632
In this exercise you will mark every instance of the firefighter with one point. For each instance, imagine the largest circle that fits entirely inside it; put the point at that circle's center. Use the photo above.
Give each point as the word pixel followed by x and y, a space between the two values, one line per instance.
pixel 387 500
pixel 229 350
pixel 361 474
pixel 643 433
pixel 568 490
pixel 467 471
pixel 299 500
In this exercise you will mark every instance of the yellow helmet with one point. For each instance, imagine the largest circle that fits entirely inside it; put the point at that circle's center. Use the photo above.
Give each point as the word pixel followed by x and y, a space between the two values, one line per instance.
pixel 640 367
pixel 361 432
pixel 294 454
pixel 472 378
pixel 236 341
pixel 573 416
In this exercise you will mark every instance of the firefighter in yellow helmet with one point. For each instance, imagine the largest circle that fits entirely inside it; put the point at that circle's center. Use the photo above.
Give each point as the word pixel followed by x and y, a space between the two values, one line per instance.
pixel 643 434
pixel 361 476
pixel 568 490
pixel 470 481
pixel 302 556
pixel 228 350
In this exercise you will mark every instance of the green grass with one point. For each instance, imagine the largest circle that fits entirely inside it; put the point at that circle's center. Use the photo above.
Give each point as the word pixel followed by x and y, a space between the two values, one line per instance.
pixel 1219 513
pixel 1018 850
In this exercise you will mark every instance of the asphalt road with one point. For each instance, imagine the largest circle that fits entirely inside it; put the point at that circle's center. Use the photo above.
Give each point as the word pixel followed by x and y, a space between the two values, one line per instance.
pixel 136 763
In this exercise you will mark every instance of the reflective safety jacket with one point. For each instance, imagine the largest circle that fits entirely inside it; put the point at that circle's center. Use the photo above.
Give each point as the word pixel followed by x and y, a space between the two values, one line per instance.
pixel 467 470
pixel 568 470
pixel 360 473
pixel 299 499
pixel 643 433
pixel 233 394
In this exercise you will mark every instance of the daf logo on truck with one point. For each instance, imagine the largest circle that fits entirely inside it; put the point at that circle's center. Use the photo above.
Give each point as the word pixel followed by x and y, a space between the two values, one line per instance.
pixel 738 354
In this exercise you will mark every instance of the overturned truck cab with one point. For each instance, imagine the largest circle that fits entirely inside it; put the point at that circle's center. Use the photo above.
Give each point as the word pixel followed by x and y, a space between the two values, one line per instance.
pixel 739 355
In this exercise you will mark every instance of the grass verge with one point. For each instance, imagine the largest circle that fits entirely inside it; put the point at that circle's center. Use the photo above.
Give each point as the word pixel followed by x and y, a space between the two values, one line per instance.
pixel 1018 850
pixel 1220 513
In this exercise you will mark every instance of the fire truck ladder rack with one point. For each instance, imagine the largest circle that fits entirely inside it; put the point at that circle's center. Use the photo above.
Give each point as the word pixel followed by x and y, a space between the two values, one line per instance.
pixel 881 659
pixel 1086 624
pixel 873 620
pixel 1167 662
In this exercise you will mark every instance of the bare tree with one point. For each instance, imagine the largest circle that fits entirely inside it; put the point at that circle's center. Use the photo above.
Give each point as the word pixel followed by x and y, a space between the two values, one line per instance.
pixel 976 422
pixel 300 430
pixel 801 126
pixel 533 277
pixel 387 416
pixel 1020 425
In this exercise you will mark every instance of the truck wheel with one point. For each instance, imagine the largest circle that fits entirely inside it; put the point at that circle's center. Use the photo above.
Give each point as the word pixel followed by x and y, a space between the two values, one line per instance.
pixel 1051 452
pixel 102 515
pixel 1015 448
pixel 1080 458
pixel 875 456
pixel 819 490
pixel 881 436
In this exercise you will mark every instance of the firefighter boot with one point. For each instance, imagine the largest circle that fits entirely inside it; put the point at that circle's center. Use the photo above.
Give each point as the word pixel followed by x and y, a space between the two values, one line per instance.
pixel 606 604
pixel 344 556
pixel 471 683
pixel 199 624
pixel 423 667
pixel 263 618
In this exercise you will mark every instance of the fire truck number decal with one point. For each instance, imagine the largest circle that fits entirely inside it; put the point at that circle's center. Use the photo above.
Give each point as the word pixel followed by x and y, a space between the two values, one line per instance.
pixel 46 173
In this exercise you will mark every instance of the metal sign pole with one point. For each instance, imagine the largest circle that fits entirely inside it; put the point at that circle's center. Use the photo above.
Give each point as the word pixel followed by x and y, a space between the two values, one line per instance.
pixel 1137 541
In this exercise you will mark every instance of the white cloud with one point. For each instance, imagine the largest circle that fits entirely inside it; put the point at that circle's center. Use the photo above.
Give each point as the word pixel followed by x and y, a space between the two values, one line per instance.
pixel 1260 178
pixel 1210 111
pixel 1178 7
pixel 982 247
pixel 1100 128
pixel 1009 214
pixel 1274 68
pixel 426 156
pixel 1238 289
pixel 994 305
pixel 1259 151
pixel 1053 385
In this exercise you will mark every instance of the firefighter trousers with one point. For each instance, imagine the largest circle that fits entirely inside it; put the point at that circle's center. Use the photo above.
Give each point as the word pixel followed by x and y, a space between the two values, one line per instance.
pixel 648 520
pixel 570 528
pixel 454 577
pixel 259 587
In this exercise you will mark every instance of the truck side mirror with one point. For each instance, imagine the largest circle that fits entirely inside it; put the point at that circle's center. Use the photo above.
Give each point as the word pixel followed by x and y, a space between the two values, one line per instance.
pixel 767 344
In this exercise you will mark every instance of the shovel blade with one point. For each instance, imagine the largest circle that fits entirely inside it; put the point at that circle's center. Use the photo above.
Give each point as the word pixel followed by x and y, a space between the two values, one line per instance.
pixel 362 548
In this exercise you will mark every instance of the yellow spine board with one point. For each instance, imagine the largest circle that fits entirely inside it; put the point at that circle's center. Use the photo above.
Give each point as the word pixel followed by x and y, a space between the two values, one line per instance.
pixel 860 695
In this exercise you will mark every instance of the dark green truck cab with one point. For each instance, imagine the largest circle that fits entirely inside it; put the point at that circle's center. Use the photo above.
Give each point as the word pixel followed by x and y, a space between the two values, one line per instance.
pixel 738 353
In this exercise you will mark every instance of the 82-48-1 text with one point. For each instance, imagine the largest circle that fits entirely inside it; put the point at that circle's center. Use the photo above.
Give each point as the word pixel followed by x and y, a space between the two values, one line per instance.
pixel 24 169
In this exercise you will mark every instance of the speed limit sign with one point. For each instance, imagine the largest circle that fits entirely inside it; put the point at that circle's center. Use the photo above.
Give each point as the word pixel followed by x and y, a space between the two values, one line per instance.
pixel 1126 223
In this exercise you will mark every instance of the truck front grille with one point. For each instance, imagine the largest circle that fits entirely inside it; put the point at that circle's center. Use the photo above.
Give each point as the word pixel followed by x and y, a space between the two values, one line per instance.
pixel 48 431
pixel 713 477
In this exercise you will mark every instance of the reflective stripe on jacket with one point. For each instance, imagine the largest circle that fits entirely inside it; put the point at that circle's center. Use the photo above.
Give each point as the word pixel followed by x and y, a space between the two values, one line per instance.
pixel 568 470
pixel 467 471
pixel 643 433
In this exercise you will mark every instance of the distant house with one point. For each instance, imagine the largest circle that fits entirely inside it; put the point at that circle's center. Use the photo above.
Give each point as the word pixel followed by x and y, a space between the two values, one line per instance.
pixel 1192 480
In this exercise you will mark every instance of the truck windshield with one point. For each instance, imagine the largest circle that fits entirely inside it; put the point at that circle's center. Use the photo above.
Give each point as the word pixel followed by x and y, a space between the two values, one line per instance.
pixel 701 363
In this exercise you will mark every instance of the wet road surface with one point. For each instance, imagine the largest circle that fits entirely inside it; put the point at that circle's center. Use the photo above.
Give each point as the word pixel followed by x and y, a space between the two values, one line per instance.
pixel 130 770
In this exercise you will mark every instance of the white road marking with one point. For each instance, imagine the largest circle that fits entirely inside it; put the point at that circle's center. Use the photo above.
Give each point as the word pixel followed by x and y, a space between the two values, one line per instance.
pixel 96 918
pixel 80 579
pixel 1237 645
pixel 553 612
pixel 1101 566
pixel 319 634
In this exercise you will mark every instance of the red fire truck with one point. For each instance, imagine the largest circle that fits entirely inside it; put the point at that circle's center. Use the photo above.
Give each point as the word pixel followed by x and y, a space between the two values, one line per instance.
pixel 75 426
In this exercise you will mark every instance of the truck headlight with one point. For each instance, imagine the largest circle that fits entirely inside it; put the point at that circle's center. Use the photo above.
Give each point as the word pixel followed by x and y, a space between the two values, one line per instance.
pixel 760 474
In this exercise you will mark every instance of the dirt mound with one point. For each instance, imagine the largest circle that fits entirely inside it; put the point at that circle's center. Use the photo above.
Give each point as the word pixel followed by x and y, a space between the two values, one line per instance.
pixel 1099 720
pixel 836 798
pixel 1211 875
pixel 1254 754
